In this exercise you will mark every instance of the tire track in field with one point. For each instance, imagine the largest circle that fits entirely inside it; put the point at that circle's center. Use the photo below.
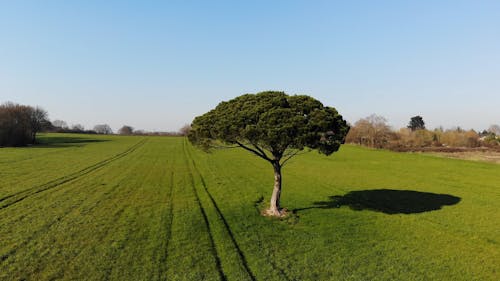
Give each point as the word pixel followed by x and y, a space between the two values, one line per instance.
pixel 242 257
pixel 44 228
pixel 126 192
pixel 273 264
pixel 218 263
pixel 49 225
pixel 170 219
pixel 114 254
pixel 19 196
pixel 59 218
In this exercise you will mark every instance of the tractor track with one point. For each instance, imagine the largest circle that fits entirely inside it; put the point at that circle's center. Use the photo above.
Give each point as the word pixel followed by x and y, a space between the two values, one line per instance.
pixel 242 257
pixel 170 220
pixel 12 199
pixel 114 254
pixel 218 263
pixel 46 227
pixel 220 215
pixel 273 264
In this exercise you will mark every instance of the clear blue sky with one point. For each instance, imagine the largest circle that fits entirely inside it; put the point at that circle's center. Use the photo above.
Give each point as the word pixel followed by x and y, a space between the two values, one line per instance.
pixel 157 64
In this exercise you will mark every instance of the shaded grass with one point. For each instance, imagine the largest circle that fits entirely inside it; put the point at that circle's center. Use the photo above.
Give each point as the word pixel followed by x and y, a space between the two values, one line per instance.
pixel 388 201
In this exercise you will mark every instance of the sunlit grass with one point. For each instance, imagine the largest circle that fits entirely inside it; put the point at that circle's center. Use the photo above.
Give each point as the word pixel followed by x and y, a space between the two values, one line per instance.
pixel 158 209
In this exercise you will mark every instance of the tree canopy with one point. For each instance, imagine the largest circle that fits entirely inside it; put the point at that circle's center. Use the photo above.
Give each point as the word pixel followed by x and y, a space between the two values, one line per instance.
pixel 271 125
pixel 416 123
pixel 272 122
pixel 126 130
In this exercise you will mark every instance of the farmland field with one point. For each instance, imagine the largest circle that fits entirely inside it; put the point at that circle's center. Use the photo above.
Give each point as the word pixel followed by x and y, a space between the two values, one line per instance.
pixel 83 207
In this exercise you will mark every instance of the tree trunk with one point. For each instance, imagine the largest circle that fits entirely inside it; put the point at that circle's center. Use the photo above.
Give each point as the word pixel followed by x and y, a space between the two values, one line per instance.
pixel 274 208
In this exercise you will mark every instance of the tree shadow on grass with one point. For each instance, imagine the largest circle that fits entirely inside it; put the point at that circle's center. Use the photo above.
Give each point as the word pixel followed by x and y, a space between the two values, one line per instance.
pixel 55 142
pixel 388 201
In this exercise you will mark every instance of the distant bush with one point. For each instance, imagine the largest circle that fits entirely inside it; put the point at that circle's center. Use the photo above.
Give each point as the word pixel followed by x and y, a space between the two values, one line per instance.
pixel 373 131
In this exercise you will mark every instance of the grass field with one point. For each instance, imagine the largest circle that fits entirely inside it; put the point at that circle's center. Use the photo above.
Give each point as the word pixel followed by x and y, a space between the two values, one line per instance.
pixel 155 208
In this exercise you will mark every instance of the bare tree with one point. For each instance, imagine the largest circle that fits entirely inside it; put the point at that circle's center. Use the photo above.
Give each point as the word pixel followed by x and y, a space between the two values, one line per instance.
pixel 104 129
pixel 184 131
pixel 371 131
pixel 60 124
pixel 38 120
pixel 15 124
pixel 126 130
pixel 78 128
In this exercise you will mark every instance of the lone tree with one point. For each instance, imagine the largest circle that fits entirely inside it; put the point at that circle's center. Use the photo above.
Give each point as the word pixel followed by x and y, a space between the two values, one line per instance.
pixel 38 121
pixel 273 126
pixel 126 130
pixel 416 123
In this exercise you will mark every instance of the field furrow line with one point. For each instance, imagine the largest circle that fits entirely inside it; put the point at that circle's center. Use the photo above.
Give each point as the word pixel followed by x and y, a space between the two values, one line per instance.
pixel 48 226
pixel 19 196
pixel 273 264
pixel 118 215
pixel 170 220
pixel 204 214
pixel 240 253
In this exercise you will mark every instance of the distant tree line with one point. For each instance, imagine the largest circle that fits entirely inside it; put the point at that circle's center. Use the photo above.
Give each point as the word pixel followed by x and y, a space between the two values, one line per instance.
pixel 60 126
pixel 130 131
pixel 19 124
pixel 373 131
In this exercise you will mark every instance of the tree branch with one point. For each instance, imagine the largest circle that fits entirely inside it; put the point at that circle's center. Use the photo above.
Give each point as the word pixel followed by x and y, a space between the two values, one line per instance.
pixel 256 152
pixel 289 156
pixel 224 146
pixel 260 150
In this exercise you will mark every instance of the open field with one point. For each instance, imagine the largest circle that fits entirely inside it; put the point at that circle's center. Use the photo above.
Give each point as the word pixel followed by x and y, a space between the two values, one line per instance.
pixel 487 156
pixel 155 208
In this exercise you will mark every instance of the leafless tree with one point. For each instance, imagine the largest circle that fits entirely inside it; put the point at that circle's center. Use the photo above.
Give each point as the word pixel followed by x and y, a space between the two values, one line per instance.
pixel 60 124
pixel 104 129
pixel 38 120
pixel 15 124
pixel 78 128
pixel 184 131
pixel 371 131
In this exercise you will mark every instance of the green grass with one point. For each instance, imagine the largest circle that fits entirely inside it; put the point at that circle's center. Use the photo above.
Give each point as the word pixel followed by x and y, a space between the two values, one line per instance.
pixel 154 208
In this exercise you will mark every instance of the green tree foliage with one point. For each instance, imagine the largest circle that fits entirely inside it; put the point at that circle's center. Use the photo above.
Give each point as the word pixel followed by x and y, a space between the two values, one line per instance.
pixel 273 126
pixel 416 123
